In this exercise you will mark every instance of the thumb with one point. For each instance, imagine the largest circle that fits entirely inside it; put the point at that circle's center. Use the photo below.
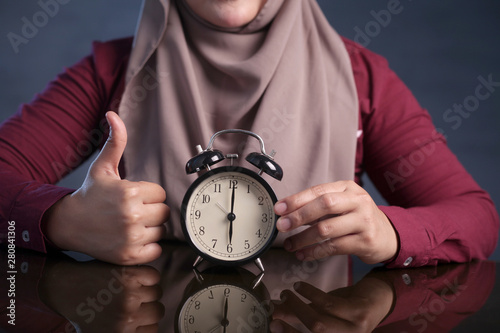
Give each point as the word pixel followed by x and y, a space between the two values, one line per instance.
pixel 109 158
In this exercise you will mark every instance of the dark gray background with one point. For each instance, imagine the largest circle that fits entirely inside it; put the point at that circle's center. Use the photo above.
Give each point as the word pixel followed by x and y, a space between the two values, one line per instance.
pixel 439 48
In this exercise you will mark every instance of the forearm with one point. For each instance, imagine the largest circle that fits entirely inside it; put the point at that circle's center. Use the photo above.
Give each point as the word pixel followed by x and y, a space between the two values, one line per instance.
pixel 24 203
pixel 457 230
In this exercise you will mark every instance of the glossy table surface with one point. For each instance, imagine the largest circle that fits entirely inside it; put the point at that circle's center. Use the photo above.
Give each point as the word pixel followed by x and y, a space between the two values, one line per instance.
pixel 57 293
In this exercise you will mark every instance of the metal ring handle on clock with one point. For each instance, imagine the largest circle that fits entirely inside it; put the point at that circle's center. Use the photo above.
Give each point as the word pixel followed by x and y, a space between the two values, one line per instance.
pixel 263 161
pixel 238 131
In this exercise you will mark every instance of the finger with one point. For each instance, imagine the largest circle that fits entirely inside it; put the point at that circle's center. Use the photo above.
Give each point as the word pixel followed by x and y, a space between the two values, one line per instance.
pixel 108 160
pixel 349 244
pixel 144 315
pixel 146 254
pixel 349 308
pixel 141 295
pixel 283 309
pixel 329 204
pixel 151 192
pixel 327 303
pixel 144 275
pixel 331 228
pixel 151 313
pixel 308 316
pixel 148 329
pixel 155 215
pixel 293 202
pixel 153 234
pixel 311 293
pixel 282 327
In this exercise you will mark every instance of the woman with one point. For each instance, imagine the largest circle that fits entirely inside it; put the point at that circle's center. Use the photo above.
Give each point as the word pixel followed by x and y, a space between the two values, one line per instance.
pixel 330 108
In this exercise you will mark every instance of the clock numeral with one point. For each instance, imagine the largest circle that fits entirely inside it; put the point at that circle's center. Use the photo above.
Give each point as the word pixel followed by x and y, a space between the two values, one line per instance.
pixel 227 291
pixel 259 233
pixel 215 243
pixel 243 298
pixel 197 214
pixel 233 183
pixel 191 320
pixel 264 218
pixel 229 248
pixel 247 245
pixel 217 188
pixel 197 305
pixel 261 201
pixel 202 231
pixel 205 198
pixel 211 295
pixel 248 189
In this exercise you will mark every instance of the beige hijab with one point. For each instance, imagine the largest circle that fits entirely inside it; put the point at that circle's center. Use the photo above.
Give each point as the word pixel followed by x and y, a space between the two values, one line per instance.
pixel 285 76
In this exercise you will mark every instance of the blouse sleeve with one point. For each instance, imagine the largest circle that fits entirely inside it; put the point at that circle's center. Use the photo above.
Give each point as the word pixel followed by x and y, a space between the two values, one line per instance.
pixel 439 212
pixel 48 138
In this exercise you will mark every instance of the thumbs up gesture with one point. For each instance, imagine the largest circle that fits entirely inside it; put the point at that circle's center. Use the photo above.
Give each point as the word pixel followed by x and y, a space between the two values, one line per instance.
pixel 109 218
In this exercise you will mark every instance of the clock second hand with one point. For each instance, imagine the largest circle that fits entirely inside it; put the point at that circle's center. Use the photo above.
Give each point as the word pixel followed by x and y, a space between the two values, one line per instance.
pixel 222 208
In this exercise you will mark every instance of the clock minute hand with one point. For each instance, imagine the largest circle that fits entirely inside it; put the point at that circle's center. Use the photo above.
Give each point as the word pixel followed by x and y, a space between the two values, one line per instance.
pixel 231 217
pixel 232 200
pixel 225 322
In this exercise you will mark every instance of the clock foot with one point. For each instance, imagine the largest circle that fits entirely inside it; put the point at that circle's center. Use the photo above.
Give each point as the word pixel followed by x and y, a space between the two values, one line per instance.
pixel 197 261
pixel 258 263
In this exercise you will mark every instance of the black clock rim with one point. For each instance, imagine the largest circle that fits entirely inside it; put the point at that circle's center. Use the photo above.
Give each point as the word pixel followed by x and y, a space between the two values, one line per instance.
pixel 190 191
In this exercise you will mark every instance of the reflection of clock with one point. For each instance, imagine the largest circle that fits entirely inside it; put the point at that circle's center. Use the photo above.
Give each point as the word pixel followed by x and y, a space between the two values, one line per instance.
pixel 224 299
pixel 228 212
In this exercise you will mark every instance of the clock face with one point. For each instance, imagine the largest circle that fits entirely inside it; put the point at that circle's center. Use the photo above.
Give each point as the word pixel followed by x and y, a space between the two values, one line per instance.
pixel 223 308
pixel 228 216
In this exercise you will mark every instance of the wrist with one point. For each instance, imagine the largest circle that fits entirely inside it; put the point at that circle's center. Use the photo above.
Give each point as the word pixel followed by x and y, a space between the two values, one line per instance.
pixel 55 226
pixel 391 239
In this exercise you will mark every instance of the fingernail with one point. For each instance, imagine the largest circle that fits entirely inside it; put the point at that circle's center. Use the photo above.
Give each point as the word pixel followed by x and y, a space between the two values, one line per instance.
pixel 280 208
pixel 284 224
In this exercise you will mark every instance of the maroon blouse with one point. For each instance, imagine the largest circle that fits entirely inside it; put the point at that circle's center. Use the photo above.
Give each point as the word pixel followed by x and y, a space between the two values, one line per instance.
pixel 439 212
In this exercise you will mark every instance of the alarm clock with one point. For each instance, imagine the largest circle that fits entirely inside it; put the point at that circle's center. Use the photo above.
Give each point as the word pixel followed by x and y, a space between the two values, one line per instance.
pixel 227 214
pixel 224 299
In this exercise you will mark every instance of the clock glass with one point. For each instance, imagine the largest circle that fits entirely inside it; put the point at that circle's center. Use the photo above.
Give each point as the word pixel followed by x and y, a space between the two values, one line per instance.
pixel 228 215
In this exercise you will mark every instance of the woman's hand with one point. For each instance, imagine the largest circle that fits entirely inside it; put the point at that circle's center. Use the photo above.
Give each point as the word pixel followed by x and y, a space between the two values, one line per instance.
pixel 358 308
pixel 108 218
pixel 342 219
pixel 101 297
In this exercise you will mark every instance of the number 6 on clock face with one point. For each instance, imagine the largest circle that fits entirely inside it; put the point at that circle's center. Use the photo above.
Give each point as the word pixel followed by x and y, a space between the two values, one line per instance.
pixel 228 215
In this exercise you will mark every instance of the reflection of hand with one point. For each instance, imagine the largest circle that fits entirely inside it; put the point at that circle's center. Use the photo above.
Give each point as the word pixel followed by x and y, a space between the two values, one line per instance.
pixel 109 218
pixel 100 297
pixel 343 219
pixel 359 308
